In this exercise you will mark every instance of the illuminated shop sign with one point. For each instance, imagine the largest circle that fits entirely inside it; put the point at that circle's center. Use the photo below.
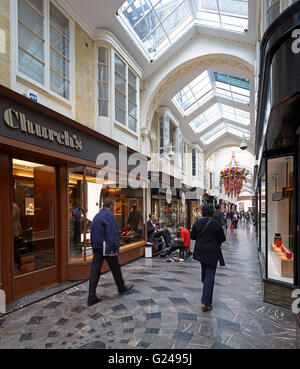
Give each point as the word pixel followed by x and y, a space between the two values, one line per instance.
pixel 16 120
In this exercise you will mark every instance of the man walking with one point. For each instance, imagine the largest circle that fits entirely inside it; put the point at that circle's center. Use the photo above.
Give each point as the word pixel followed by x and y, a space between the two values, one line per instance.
pixel 218 215
pixel 105 243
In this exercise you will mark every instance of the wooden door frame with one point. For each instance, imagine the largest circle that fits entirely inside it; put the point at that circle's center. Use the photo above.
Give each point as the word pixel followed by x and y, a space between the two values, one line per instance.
pixel 6 233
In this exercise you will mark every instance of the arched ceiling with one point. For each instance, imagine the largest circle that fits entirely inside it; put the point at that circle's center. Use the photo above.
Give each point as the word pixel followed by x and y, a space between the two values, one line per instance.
pixel 223 119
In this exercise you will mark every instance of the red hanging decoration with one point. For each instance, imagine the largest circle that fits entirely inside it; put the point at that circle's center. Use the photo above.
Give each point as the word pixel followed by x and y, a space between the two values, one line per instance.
pixel 233 177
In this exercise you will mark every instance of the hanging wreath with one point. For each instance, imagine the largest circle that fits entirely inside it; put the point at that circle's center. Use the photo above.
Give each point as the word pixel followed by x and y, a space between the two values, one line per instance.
pixel 233 177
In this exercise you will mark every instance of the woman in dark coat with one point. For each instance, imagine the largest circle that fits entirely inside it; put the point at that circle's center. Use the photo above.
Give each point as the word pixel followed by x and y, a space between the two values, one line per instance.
pixel 209 236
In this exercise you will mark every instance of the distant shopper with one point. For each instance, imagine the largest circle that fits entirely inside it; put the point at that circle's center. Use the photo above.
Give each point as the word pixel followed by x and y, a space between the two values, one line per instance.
pixel 209 236
pixel 235 220
pixel 218 215
pixel 105 244
pixel 135 218
pixel 154 232
pixel 184 241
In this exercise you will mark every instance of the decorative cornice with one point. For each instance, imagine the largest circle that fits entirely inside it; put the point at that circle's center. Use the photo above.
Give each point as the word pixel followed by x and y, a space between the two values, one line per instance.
pixel 197 36
pixel 202 62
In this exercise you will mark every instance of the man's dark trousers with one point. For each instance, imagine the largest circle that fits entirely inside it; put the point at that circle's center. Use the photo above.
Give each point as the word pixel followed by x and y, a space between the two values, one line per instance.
pixel 114 266
pixel 164 233
pixel 208 280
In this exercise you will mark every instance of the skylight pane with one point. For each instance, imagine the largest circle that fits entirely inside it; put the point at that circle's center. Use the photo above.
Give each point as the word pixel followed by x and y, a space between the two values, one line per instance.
pixel 154 22
pixel 237 7
pixel 228 14
pixel 200 90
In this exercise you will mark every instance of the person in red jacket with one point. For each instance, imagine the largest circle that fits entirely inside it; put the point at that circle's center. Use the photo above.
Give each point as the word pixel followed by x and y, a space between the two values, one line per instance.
pixel 184 241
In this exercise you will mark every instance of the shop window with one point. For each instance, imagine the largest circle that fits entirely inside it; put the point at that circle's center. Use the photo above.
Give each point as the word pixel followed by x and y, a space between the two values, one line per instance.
pixel 281 212
pixel 44 45
pixel 194 163
pixel 263 216
pixel 34 203
pixel 87 193
pixel 273 10
pixel 184 157
pixel 126 95
pixel 103 81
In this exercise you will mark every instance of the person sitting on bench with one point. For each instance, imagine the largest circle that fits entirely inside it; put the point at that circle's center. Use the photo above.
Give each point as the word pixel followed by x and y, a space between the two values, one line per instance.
pixel 154 232
pixel 183 242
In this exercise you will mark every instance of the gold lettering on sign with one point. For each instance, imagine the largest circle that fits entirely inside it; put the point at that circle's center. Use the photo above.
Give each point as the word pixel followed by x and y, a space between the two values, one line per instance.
pixel 17 120
pixel 8 118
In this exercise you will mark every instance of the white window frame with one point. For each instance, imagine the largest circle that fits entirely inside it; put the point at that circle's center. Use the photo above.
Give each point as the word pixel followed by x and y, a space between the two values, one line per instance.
pixel 15 49
pixel 109 109
pixel 113 103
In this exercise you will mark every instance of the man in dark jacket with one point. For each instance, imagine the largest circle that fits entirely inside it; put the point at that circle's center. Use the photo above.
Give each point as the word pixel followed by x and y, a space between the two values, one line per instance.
pixel 218 215
pixel 105 243
pixel 154 232
pixel 134 218
pixel 209 236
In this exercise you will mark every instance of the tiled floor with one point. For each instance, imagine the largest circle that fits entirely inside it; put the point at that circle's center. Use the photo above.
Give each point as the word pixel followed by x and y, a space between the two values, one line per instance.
pixel 163 311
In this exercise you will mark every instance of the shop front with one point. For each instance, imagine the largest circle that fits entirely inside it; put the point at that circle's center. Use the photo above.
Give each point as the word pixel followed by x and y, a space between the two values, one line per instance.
pixel 169 202
pixel 50 190
pixel 277 151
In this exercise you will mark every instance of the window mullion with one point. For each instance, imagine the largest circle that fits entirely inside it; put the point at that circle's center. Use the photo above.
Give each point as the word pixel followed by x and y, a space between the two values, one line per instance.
pixel 127 107
pixel 47 42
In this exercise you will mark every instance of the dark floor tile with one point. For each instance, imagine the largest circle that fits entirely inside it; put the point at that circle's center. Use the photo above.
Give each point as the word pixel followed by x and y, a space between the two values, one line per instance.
pixel 187 316
pixel 26 337
pixel 153 316
pixel 62 321
pixel 95 345
pixel 143 344
pixel 53 305
pixel 128 330
pixel 146 302
pixel 171 280
pixel 52 334
pixel 80 325
pixel 152 330
pixel 35 320
pixel 184 336
pixel 118 307
pixel 178 300
pixel 126 319
pixel 78 309
pixel 96 316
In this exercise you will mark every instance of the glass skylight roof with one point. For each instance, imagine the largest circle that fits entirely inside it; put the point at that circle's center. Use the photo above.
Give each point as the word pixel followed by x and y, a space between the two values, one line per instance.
pixel 209 117
pixel 236 115
pixel 208 84
pixel 221 129
pixel 232 88
pixel 156 23
pixel 195 94
pixel 231 15
pixel 216 112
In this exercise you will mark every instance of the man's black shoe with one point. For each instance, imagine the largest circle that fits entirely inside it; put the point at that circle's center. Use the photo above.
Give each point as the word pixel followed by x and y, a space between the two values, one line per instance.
pixel 92 301
pixel 127 288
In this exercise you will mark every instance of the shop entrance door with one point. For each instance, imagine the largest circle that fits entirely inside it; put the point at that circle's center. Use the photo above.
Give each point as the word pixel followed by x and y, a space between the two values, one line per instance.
pixel 34 227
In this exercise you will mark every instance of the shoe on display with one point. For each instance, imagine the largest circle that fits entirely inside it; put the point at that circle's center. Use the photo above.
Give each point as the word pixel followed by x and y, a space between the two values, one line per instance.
pixel 169 260
pixel 127 289
pixel 93 301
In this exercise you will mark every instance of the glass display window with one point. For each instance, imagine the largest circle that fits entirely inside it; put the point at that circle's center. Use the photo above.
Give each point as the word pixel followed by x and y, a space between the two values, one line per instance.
pixel 87 193
pixel 281 199
pixel 34 206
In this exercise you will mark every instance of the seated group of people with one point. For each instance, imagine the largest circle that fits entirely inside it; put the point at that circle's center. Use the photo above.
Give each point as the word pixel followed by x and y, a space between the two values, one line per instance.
pixel 183 242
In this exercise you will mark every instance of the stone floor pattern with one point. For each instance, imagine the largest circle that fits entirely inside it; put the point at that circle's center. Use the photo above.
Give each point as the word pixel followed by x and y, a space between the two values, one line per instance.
pixel 163 311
